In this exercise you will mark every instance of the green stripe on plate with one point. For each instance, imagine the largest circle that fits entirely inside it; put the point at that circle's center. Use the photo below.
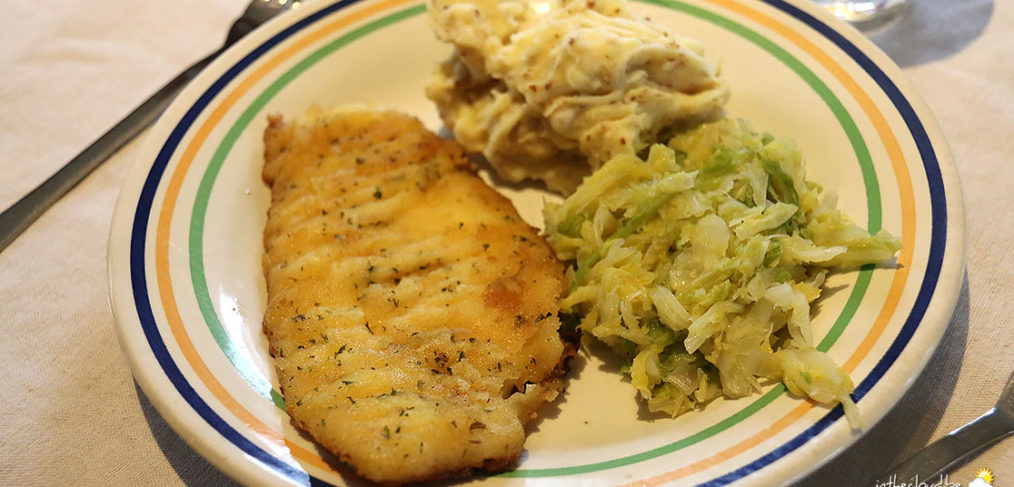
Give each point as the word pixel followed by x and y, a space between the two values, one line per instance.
pixel 845 120
pixel 198 279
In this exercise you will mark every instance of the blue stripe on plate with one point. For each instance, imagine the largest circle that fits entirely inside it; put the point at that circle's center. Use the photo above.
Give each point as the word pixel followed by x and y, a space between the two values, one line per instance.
pixel 938 240
pixel 161 353
pixel 142 301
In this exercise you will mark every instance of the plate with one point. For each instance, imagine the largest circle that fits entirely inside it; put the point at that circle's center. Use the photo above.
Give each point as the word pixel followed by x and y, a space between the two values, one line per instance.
pixel 185 245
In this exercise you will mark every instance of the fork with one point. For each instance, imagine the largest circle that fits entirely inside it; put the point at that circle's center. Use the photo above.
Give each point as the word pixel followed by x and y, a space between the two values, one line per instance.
pixel 20 215
pixel 960 444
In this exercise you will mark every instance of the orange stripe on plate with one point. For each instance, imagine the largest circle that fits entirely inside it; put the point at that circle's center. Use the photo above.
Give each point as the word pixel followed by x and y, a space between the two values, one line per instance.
pixel 172 194
pixel 903 177
pixel 168 208
pixel 310 458
pixel 731 452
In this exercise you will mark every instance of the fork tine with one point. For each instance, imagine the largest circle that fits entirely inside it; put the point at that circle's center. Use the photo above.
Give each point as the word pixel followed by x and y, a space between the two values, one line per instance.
pixel 257 12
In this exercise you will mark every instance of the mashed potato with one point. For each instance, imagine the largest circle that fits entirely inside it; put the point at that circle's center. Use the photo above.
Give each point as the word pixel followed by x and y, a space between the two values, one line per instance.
pixel 549 90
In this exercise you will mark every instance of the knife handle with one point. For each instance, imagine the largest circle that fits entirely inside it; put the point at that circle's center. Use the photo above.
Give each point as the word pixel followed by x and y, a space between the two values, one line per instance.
pixel 947 452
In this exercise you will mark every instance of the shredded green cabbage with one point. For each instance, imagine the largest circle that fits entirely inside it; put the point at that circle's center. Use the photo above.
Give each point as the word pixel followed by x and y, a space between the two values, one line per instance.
pixel 699 265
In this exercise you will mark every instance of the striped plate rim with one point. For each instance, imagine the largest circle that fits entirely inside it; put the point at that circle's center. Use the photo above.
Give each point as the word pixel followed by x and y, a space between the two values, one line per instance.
pixel 378 16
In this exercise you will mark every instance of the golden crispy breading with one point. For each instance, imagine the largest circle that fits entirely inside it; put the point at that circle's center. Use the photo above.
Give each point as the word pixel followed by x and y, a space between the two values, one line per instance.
pixel 411 312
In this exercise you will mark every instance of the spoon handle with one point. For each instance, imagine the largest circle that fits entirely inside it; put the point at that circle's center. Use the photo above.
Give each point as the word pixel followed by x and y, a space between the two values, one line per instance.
pixel 947 452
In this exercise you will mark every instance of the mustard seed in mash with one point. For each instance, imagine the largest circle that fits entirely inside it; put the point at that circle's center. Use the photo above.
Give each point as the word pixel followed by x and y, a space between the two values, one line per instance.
pixel 551 90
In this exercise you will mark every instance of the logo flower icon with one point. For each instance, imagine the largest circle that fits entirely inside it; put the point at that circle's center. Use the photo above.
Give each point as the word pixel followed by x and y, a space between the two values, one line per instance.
pixel 983 478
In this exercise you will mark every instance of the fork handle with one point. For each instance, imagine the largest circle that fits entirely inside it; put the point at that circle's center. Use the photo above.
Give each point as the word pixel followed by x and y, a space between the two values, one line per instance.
pixel 21 214
pixel 950 450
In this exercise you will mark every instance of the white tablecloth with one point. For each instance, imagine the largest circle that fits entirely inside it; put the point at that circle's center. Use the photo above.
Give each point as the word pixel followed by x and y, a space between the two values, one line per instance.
pixel 69 69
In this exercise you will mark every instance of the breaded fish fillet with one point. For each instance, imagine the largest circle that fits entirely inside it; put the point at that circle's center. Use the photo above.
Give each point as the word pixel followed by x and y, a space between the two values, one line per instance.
pixel 411 312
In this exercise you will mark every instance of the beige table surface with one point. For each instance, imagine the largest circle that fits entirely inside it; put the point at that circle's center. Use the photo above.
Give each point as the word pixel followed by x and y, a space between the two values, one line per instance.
pixel 70 412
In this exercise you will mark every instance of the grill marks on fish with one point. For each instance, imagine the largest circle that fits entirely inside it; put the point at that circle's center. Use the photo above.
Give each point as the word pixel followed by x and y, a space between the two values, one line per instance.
pixel 411 312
